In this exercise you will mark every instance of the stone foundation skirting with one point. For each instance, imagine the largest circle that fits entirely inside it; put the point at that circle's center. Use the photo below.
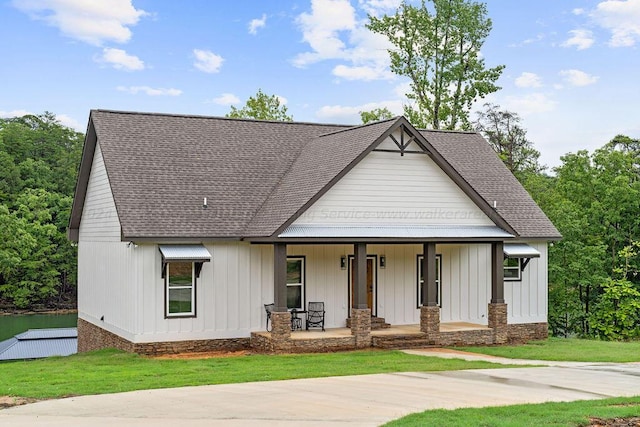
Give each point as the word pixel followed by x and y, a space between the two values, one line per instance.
pixel 92 337
pixel 262 342
pixel 521 333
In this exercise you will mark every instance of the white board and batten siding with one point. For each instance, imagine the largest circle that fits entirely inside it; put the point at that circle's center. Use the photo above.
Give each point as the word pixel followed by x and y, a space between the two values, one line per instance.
pixel 106 267
pixel 230 294
pixel 389 189
pixel 527 300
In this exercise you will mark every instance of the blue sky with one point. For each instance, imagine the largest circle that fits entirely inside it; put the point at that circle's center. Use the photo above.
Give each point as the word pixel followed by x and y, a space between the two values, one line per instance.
pixel 571 73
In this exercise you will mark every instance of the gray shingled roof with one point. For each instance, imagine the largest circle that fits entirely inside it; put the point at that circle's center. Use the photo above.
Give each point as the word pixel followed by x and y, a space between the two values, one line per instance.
pixel 478 164
pixel 258 176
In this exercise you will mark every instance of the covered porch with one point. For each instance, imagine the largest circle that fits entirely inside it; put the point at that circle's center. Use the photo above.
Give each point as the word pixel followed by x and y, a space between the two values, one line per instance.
pixel 430 331
pixel 395 336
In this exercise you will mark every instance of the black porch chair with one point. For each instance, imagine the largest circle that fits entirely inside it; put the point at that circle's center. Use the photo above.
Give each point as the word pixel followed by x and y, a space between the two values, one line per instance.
pixel 269 308
pixel 315 315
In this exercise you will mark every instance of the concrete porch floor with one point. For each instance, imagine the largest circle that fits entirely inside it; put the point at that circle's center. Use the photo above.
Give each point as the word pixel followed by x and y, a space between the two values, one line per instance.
pixel 393 330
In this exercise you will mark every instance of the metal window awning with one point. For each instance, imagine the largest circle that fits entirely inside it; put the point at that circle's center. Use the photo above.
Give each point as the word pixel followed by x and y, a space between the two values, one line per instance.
pixel 520 250
pixel 186 253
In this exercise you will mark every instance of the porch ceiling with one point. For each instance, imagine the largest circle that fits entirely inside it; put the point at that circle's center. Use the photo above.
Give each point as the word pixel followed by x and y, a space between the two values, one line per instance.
pixel 396 232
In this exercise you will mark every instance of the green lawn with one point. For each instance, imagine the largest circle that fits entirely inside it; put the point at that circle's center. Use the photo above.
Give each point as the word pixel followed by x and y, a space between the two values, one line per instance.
pixel 545 414
pixel 110 371
pixel 563 349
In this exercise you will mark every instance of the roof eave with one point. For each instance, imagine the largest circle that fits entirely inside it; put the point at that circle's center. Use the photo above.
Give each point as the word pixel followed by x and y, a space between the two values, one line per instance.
pixel 82 183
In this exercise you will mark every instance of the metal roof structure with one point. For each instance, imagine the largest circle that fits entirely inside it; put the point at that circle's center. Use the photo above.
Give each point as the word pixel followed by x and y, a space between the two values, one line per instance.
pixel 520 250
pixel 39 343
pixel 185 253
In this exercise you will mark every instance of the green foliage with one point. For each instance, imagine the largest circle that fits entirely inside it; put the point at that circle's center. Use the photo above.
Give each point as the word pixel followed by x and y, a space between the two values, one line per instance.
pixel 262 107
pixel 561 414
pixel 566 349
pixel 110 371
pixel 438 48
pixel 502 130
pixel 616 316
pixel 594 201
pixel 38 162
pixel 375 115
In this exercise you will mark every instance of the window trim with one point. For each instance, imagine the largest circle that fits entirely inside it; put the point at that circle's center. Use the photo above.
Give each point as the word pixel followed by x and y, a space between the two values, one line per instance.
pixel 194 281
pixel 419 258
pixel 518 268
pixel 303 277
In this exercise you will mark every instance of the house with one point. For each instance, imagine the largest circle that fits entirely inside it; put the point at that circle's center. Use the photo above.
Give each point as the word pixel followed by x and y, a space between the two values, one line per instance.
pixel 187 226
pixel 39 343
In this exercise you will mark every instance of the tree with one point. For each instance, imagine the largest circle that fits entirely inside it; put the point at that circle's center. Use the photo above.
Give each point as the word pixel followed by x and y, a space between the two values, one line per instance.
pixel 502 130
pixel 262 107
pixel 39 158
pixel 376 115
pixel 439 51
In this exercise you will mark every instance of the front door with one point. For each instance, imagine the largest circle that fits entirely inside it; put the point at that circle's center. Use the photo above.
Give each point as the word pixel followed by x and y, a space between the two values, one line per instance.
pixel 371 271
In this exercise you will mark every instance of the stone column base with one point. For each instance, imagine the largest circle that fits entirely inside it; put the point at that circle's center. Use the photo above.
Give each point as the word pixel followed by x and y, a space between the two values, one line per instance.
pixel 361 326
pixel 280 330
pixel 498 322
pixel 430 323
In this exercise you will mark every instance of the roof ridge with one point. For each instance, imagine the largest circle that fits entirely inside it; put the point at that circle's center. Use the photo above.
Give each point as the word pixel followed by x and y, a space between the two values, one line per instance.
pixel 464 132
pixel 203 116
pixel 359 126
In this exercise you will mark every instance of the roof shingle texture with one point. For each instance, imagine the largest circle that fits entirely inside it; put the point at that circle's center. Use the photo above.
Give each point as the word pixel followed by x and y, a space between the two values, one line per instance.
pixel 478 164
pixel 256 175
pixel 161 167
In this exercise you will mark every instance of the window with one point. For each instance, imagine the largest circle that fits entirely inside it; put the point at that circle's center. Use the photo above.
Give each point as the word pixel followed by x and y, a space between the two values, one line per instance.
pixel 438 280
pixel 180 289
pixel 512 269
pixel 295 283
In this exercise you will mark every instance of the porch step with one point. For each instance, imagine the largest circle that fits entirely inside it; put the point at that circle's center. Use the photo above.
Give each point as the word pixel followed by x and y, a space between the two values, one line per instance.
pixel 400 341
pixel 376 323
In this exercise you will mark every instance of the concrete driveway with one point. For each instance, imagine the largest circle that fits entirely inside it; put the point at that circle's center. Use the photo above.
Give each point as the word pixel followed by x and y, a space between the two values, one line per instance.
pixel 366 400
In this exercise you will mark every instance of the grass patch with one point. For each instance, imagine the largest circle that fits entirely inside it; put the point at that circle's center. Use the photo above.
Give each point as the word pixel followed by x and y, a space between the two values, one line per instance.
pixel 567 349
pixel 111 371
pixel 544 414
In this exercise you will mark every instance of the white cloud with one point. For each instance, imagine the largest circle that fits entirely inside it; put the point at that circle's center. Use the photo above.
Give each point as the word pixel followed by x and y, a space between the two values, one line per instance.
pixel 365 73
pixel 334 32
pixel 528 80
pixel 134 90
pixel 321 29
pixel 379 7
pixel 120 60
pixel 282 99
pixel 581 39
pixel 70 122
pixel 93 22
pixel 351 114
pixel 64 119
pixel 226 99
pixel 578 11
pixel 578 78
pixel 207 61
pixel 14 113
pixel 255 24
pixel 402 89
pixel 529 104
pixel 622 18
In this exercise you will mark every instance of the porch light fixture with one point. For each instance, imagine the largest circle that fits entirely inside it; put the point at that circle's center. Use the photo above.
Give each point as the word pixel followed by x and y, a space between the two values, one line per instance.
pixel 383 261
pixel 343 262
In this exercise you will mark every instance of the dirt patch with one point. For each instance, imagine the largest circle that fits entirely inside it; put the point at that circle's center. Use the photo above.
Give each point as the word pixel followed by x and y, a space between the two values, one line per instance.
pixel 9 401
pixel 203 355
pixel 615 422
